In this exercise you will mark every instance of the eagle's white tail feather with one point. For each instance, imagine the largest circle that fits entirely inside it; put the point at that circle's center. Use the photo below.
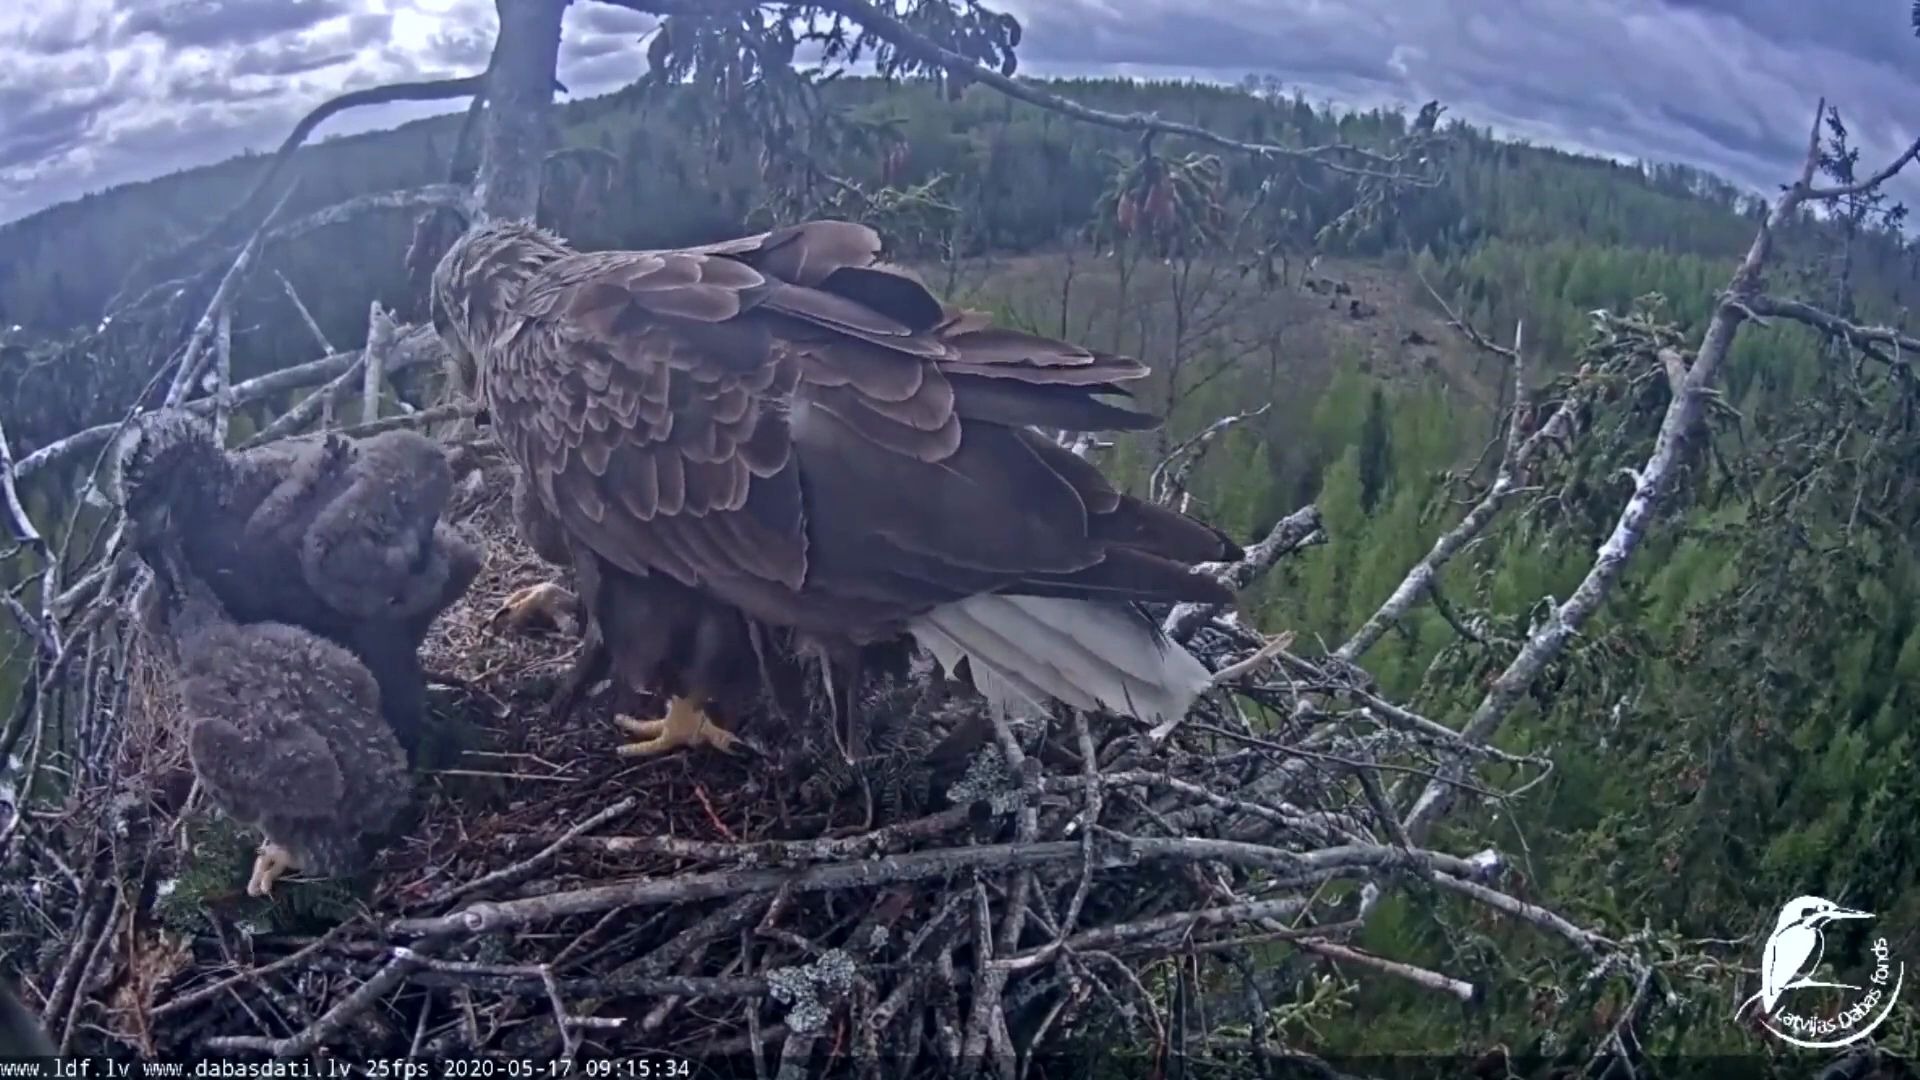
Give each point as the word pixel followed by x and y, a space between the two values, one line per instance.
pixel 1000 693
pixel 1029 649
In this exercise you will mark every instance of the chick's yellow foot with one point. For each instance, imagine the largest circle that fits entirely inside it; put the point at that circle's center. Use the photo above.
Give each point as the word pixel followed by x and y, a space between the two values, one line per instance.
pixel 686 724
pixel 545 602
pixel 271 862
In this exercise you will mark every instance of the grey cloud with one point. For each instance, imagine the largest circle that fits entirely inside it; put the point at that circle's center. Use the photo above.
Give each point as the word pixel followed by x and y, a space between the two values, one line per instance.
pixel 44 129
pixel 587 76
pixel 225 22
pixel 368 27
pixel 464 48
pixel 607 19
pixel 64 29
pixel 1175 34
pixel 335 43
pixel 96 92
pixel 50 106
pixel 1878 30
pixel 296 58
pixel 214 88
pixel 1728 85
pixel 592 48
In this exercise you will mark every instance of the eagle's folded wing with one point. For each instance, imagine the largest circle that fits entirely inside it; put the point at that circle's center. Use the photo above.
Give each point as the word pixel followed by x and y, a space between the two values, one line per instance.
pixel 783 411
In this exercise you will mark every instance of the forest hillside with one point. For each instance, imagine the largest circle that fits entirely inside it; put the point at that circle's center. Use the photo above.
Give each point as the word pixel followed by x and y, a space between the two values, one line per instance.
pixel 1732 727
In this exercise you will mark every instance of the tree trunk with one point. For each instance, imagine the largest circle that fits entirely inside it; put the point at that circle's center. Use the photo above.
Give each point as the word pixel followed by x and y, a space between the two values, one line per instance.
pixel 517 127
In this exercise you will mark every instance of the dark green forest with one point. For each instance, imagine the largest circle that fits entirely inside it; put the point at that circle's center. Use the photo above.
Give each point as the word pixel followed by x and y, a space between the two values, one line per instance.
pixel 1734 728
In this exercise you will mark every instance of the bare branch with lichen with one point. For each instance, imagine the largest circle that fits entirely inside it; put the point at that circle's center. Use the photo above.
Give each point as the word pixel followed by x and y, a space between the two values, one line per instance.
pixel 196 353
pixel 1300 529
pixel 1650 481
pixel 1515 462
pixel 416 345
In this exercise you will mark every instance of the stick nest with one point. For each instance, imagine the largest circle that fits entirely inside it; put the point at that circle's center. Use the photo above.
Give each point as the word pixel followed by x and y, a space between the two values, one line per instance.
pixel 976 892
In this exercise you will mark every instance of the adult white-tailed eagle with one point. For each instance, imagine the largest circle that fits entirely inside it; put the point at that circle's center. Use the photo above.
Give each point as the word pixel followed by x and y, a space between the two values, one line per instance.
pixel 782 429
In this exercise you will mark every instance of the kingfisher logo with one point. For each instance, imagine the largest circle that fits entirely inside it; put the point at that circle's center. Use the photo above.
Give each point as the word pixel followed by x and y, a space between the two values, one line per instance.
pixel 1791 964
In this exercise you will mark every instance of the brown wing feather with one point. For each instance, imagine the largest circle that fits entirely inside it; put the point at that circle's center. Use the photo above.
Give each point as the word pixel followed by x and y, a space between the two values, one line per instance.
pixel 810 434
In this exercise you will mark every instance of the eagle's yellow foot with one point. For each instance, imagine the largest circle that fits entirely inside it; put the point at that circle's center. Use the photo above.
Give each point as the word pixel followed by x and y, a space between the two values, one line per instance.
pixel 546 601
pixel 271 862
pixel 686 724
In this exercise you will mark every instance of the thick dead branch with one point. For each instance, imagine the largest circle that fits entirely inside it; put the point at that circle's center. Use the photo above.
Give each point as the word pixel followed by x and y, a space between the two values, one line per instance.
pixel 457 410
pixel 222 390
pixel 194 358
pixel 319 404
pixel 1860 337
pixel 1113 852
pixel 1169 477
pixel 1467 330
pixel 1297 530
pixel 432 196
pixel 1892 169
pixel 380 338
pixel 20 527
pixel 1431 980
pixel 313 327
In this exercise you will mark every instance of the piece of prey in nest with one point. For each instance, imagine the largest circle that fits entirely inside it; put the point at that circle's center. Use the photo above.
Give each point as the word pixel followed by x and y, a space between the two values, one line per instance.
pixel 283 727
pixel 341 537
pixel 782 431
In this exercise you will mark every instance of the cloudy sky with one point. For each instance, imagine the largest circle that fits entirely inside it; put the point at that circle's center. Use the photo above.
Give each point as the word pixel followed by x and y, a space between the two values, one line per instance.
pixel 99 92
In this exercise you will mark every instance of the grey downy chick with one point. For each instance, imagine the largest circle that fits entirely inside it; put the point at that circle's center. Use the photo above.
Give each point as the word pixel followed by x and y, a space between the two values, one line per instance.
pixel 365 515
pixel 321 534
pixel 283 729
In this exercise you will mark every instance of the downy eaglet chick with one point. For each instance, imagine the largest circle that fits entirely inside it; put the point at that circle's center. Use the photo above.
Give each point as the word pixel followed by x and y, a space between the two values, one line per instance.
pixel 340 537
pixel 283 728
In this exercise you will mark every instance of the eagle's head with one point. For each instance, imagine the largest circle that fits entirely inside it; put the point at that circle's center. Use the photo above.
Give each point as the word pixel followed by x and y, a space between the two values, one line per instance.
pixel 475 284
pixel 159 457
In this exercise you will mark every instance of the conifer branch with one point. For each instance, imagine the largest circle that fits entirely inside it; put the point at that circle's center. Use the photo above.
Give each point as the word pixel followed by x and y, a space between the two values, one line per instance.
pixel 883 25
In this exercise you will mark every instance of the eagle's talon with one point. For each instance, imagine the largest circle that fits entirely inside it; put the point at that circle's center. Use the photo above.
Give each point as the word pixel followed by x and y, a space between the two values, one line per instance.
pixel 686 724
pixel 269 864
pixel 546 601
